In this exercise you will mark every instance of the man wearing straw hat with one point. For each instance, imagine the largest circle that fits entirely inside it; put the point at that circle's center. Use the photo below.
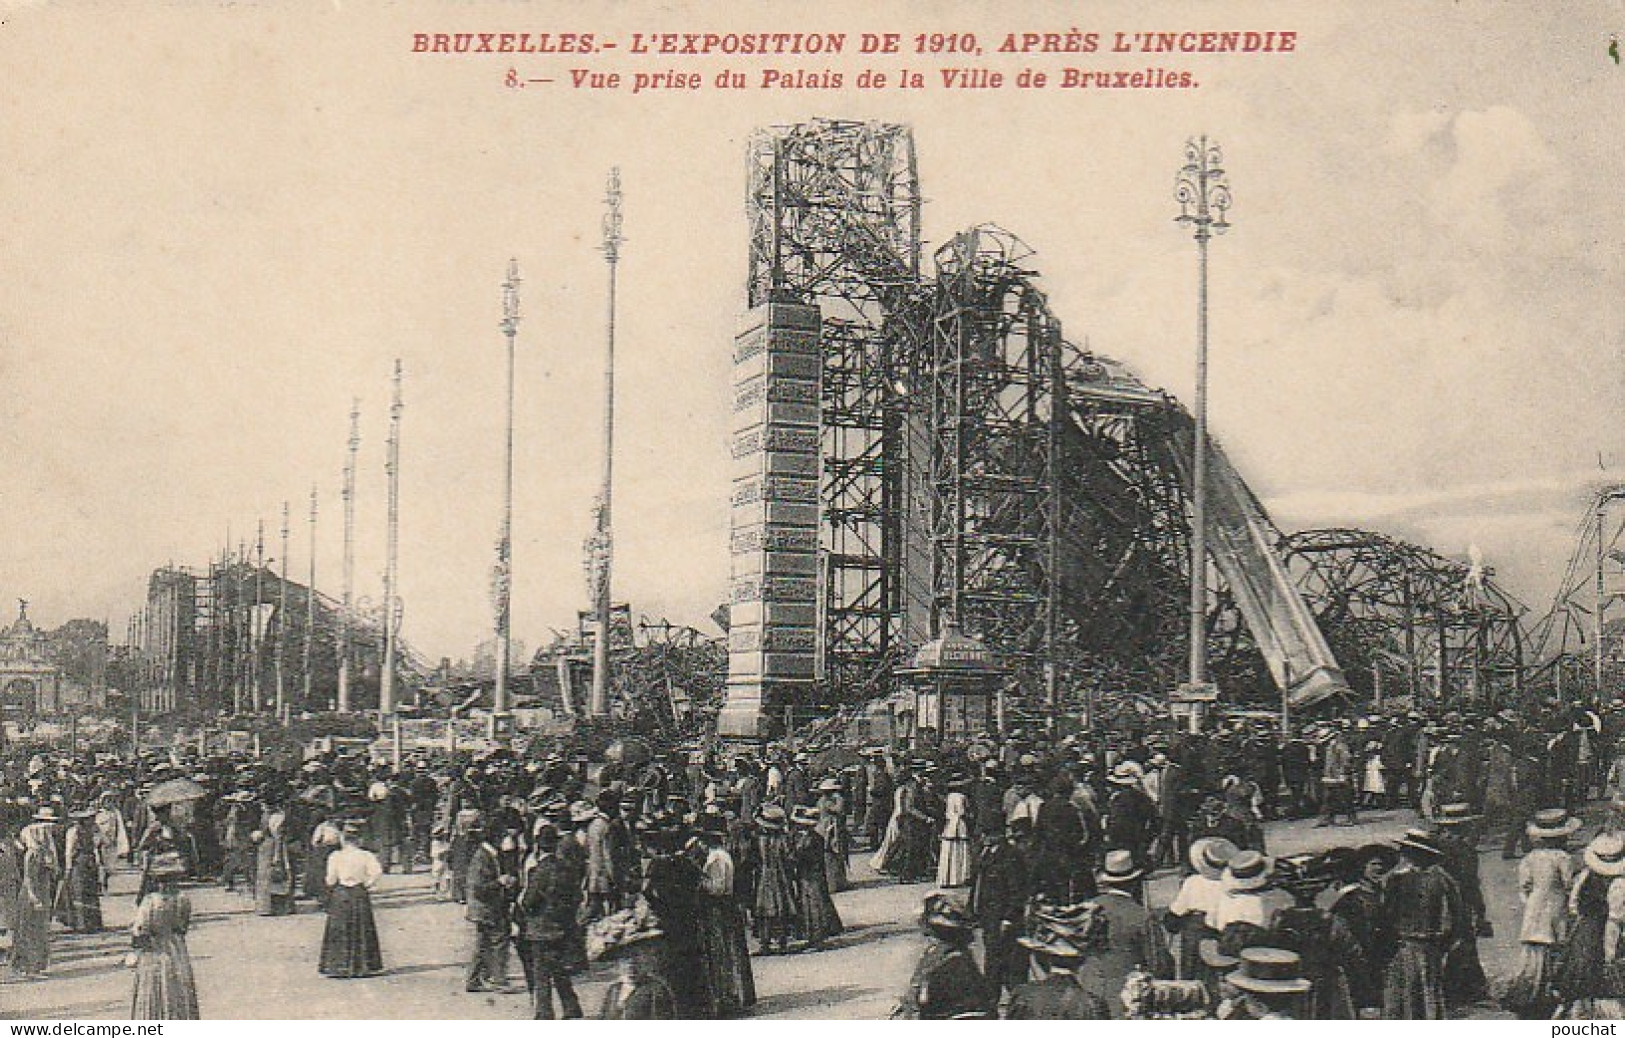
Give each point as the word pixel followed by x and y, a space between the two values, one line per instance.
pixel 1422 907
pixel 1130 938
pixel 1269 985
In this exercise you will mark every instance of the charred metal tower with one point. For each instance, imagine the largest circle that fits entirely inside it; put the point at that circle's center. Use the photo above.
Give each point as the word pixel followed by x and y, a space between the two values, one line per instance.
pixel 834 210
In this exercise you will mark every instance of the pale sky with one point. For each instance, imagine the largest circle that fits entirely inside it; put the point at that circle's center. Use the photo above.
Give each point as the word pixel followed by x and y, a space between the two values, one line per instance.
pixel 219 223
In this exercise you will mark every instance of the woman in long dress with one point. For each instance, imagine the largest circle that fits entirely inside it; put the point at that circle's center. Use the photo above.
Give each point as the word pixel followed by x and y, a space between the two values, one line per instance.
pixel 816 914
pixel 1584 973
pixel 41 871
pixel 1544 877
pixel 273 869
pixel 82 900
pixel 31 936
pixel 350 943
pixel 775 882
pixel 832 826
pixel 114 837
pixel 164 986
pixel 724 948
pixel 953 862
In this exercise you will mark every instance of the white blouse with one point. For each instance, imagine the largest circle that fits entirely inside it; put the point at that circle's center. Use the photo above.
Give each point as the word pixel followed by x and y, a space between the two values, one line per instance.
pixel 353 866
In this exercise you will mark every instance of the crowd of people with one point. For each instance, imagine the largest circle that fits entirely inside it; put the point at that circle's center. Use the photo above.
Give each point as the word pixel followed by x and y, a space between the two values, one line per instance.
pixel 682 867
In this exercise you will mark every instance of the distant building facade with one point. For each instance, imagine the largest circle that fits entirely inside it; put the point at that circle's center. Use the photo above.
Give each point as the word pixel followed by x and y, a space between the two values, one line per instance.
pixel 30 681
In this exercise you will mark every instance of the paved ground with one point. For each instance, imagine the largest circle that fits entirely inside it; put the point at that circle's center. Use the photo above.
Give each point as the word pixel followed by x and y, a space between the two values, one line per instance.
pixel 250 967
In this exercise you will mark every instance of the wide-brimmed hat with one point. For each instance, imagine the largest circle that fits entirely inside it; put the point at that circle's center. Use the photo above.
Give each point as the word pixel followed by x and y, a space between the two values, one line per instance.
pixel 1458 813
pixel 1050 944
pixel 1270 971
pixel 582 812
pixel 46 814
pixel 771 816
pixel 1211 854
pixel 1605 855
pixel 611 936
pixel 1248 870
pixel 805 816
pixel 1127 773
pixel 830 785
pixel 1553 823
pixel 1119 869
pixel 1213 956
pixel 945 917
pixel 1417 841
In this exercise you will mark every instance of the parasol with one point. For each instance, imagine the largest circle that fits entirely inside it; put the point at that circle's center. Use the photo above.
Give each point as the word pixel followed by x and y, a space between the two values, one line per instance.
pixel 175 791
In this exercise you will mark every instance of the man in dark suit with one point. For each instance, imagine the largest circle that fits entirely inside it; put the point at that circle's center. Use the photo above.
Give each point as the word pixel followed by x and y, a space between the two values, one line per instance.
pixel 1133 940
pixel 548 897
pixel 488 910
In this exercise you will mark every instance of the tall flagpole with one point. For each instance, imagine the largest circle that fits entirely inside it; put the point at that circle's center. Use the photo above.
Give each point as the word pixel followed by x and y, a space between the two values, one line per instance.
pixel 392 468
pixel 310 609
pixel 598 705
pixel 282 629
pixel 348 601
pixel 502 579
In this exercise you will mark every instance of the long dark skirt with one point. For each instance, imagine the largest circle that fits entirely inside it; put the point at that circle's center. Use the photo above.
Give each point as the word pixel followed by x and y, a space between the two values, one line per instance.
pixel 84 899
pixel 1413 984
pixel 1580 973
pixel 350 944
pixel 819 921
pixel 726 955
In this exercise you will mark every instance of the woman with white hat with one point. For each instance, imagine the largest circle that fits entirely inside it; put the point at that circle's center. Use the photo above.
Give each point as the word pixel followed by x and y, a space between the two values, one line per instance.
pixel 1544 877
pixel 1597 903
pixel 1195 907
pixel 41 870
pixel 1251 900
pixel 164 986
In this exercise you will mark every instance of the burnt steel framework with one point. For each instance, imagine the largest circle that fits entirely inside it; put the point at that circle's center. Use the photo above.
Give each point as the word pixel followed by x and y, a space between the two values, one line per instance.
pixel 974 465
pixel 835 223
pixel 1579 647
pixel 1408 623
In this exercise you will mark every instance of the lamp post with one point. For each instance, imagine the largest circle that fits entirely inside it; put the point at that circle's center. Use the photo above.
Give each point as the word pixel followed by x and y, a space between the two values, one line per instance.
pixel 603 538
pixel 1599 656
pixel 502 578
pixel 1203 193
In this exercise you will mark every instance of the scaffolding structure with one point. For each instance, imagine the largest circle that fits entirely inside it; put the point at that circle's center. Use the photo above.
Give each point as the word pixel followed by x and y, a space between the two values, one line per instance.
pixel 834 209
pixel 1409 624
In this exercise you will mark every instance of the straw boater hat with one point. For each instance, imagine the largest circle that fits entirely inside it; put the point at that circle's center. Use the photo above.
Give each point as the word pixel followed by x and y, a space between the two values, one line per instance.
pixel 1211 854
pixel 830 785
pixel 1419 842
pixel 1553 823
pixel 1270 971
pixel 804 816
pixel 1119 869
pixel 46 814
pixel 1605 855
pixel 1213 955
pixel 770 817
pixel 1458 813
pixel 1127 773
pixel 1248 870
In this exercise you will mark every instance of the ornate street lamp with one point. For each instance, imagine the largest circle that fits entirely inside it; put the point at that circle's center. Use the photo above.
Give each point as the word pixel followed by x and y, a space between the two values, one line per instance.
pixel 1203 193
